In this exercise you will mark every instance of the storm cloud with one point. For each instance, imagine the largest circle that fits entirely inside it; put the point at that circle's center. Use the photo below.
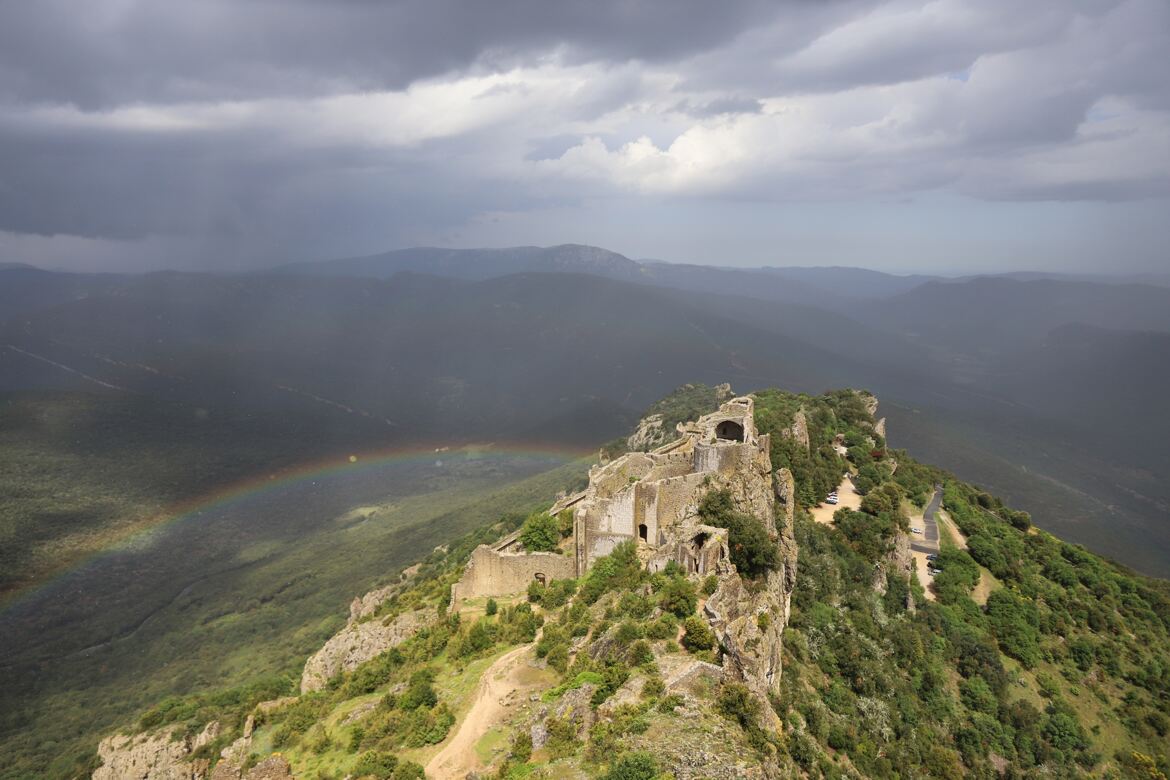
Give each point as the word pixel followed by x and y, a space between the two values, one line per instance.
pixel 238 134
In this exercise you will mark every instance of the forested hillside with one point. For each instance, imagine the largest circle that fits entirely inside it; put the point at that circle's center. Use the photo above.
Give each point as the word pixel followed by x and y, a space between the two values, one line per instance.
pixel 1025 656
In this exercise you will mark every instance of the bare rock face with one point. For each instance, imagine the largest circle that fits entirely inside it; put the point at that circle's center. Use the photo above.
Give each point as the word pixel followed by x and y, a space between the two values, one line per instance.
pixel 749 619
pixel 158 755
pixel 784 485
pixel 271 768
pixel 357 643
pixel 899 561
pixel 365 606
pixel 798 431
pixel 748 623
pixel 650 434
pixel 574 706
pixel 870 401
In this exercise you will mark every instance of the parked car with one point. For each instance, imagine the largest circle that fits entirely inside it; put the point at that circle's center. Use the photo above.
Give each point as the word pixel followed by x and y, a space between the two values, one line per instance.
pixel 916 530
pixel 932 557
pixel 831 500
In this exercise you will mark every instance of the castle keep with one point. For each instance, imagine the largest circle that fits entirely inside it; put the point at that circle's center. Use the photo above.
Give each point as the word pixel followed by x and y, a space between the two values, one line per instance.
pixel 651 498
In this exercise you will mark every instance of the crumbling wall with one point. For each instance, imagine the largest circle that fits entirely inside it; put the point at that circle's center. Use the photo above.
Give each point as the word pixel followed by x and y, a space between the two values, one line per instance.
pixel 493 573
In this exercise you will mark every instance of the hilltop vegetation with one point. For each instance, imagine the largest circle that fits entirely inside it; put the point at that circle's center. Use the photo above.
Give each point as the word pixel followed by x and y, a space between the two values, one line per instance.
pixel 1061 669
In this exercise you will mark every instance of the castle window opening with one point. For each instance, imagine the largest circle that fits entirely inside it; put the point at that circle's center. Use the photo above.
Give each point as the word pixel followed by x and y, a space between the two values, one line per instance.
pixel 729 430
pixel 643 532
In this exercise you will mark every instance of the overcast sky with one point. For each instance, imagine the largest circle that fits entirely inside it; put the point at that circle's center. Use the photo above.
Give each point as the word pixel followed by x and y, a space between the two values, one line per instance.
pixel 948 136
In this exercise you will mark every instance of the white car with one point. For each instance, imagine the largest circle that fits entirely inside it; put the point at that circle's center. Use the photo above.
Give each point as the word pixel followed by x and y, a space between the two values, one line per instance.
pixel 831 500
pixel 915 530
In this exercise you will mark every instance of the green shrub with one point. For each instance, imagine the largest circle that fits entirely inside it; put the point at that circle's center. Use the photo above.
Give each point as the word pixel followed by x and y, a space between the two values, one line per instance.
pixel 698 636
pixel 420 692
pixel 491 607
pixel 1015 623
pixel 375 763
pixel 677 595
pixel 521 747
pixel 653 687
pixel 753 550
pixel 620 570
pixel 665 627
pixel 540 533
pixel 633 766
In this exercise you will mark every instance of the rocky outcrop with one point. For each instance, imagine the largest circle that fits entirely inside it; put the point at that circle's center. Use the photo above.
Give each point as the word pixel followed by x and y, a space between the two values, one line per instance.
pixel 157 755
pixel 880 427
pixel 899 561
pixel 574 706
pixel 650 434
pixel 272 768
pixel 749 621
pixel 784 485
pixel 798 431
pixel 357 643
pixel 869 400
pixel 366 606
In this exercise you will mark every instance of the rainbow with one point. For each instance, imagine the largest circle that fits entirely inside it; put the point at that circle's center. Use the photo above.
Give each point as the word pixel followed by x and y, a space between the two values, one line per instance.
pixel 330 468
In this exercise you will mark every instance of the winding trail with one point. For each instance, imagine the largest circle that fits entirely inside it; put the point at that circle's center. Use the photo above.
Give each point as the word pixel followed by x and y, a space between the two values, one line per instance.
pixel 501 679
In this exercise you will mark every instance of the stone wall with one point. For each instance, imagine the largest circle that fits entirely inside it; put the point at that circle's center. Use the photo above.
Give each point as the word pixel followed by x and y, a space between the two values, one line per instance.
pixel 491 572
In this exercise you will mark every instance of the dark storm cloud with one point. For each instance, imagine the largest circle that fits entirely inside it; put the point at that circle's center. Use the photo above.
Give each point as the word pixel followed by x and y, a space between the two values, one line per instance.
pixel 255 131
pixel 104 53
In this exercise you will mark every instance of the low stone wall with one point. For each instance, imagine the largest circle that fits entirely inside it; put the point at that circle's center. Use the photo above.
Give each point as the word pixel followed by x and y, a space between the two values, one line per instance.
pixel 492 573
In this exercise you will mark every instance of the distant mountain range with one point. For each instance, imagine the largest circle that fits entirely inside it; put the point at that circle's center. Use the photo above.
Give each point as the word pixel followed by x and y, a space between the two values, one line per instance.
pixel 568 344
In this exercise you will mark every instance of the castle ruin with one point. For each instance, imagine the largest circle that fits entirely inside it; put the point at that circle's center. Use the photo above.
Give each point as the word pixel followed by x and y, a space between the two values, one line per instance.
pixel 650 498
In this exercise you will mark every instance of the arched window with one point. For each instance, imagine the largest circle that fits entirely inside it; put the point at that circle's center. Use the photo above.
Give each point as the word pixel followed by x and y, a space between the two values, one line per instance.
pixel 729 430
pixel 643 532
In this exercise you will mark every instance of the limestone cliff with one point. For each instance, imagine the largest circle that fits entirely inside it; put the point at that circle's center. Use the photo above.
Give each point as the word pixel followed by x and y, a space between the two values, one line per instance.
pixel 649 434
pixel 357 643
pixel 157 755
pixel 798 431
pixel 749 618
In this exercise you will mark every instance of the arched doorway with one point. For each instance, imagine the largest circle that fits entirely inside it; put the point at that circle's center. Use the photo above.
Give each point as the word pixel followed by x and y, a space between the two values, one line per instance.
pixel 729 430
pixel 643 532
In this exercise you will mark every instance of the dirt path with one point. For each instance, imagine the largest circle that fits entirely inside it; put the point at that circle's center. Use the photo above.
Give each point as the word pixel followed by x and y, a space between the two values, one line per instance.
pixel 846 495
pixel 499 691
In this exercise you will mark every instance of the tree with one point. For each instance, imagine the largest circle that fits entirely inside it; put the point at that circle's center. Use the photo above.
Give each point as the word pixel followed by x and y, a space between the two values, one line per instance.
pixel 1015 624
pixel 540 533
pixel 753 550
pixel 698 635
pixel 678 596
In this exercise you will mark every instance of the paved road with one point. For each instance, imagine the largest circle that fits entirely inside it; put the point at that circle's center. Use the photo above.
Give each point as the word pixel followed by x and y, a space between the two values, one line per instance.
pixel 929 525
